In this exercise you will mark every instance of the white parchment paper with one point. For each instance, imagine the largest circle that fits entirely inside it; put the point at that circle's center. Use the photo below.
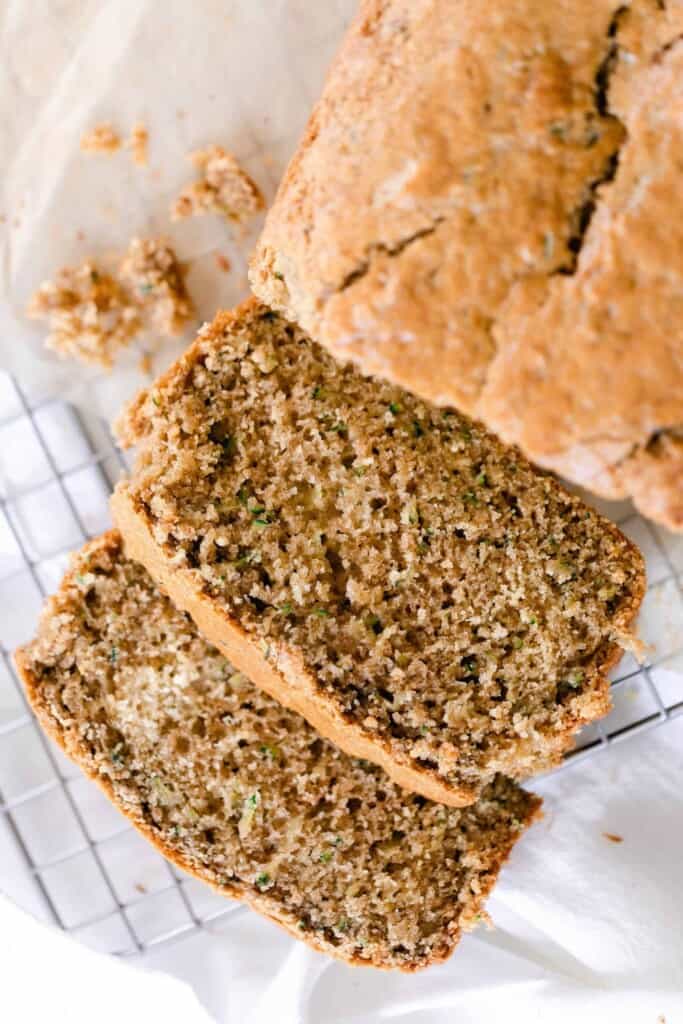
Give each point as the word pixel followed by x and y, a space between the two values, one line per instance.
pixel 241 73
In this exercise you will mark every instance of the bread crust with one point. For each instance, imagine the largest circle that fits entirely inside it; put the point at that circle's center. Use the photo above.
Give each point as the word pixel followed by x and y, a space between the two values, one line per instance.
pixel 511 250
pixel 76 752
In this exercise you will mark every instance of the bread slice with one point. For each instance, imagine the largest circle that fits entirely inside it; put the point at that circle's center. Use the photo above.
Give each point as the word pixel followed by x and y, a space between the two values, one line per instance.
pixel 513 245
pixel 242 793
pixel 410 585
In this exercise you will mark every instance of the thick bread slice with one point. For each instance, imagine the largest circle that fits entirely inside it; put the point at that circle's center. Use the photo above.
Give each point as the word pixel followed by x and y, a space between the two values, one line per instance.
pixel 485 208
pixel 389 570
pixel 286 679
pixel 242 793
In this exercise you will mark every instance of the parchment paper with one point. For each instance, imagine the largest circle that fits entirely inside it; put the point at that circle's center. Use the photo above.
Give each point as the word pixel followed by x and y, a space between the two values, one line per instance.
pixel 241 73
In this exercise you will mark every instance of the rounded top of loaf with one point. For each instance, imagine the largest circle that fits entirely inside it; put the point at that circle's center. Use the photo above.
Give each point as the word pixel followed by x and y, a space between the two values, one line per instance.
pixel 480 210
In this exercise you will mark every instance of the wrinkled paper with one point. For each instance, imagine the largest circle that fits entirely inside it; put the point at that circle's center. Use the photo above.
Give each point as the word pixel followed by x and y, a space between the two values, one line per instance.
pixel 240 74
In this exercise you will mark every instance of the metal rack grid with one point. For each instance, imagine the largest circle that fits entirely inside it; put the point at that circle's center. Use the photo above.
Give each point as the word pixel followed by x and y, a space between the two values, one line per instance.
pixel 73 859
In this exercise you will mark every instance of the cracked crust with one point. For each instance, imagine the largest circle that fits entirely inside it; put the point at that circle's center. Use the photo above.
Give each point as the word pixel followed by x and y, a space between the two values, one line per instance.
pixel 512 249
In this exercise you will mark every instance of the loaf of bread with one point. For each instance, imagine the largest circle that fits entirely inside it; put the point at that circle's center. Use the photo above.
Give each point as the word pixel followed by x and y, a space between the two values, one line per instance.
pixel 416 590
pixel 486 209
pixel 241 792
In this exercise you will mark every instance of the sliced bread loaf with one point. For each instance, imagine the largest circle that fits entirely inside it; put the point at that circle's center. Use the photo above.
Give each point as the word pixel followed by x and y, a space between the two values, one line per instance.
pixel 390 570
pixel 241 792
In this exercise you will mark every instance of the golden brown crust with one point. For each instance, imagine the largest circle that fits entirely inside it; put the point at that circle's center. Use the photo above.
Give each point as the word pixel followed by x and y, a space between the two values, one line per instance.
pixel 512 249
pixel 74 747
pixel 654 478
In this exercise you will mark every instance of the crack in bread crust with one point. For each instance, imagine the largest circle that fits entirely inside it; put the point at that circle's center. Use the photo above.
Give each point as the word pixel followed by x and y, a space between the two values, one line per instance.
pixel 393 250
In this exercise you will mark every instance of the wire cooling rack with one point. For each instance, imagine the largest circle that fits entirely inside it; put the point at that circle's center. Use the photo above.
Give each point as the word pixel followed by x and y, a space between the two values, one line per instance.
pixel 65 853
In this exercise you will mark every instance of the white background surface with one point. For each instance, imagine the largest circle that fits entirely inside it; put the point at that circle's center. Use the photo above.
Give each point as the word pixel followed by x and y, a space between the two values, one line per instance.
pixel 584 927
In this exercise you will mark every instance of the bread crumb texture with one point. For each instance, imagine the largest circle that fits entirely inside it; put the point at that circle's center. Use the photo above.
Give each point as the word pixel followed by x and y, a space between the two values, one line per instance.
pixel 242 792
pixel 90 316
pixel 452 604
pixel 513 248
pixel 138 143
pixel 223 188
pixel 93 315
pixel 156 280
pixel 103 138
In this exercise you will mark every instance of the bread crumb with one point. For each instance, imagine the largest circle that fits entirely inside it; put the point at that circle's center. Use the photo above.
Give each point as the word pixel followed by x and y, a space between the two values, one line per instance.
pixel 157 283
pixel 223 188
pixel 139 887
pixel 145 364
pixel 223 263
pixel 103 138
pixel 613 838
pixel 137 143
pixel 90 316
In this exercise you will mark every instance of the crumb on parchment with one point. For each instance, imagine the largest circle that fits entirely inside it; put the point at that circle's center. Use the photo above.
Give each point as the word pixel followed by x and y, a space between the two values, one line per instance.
pixel 157 283
pixel 89 314
pixel 145 364
pixel 613 837
pixel 92 314
pixel 137 143
pixel 103 138
pixel 223 188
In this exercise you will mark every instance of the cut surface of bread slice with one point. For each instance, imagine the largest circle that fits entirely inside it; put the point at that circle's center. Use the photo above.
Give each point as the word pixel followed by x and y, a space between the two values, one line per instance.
pixel 241 792
pixel 409 584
